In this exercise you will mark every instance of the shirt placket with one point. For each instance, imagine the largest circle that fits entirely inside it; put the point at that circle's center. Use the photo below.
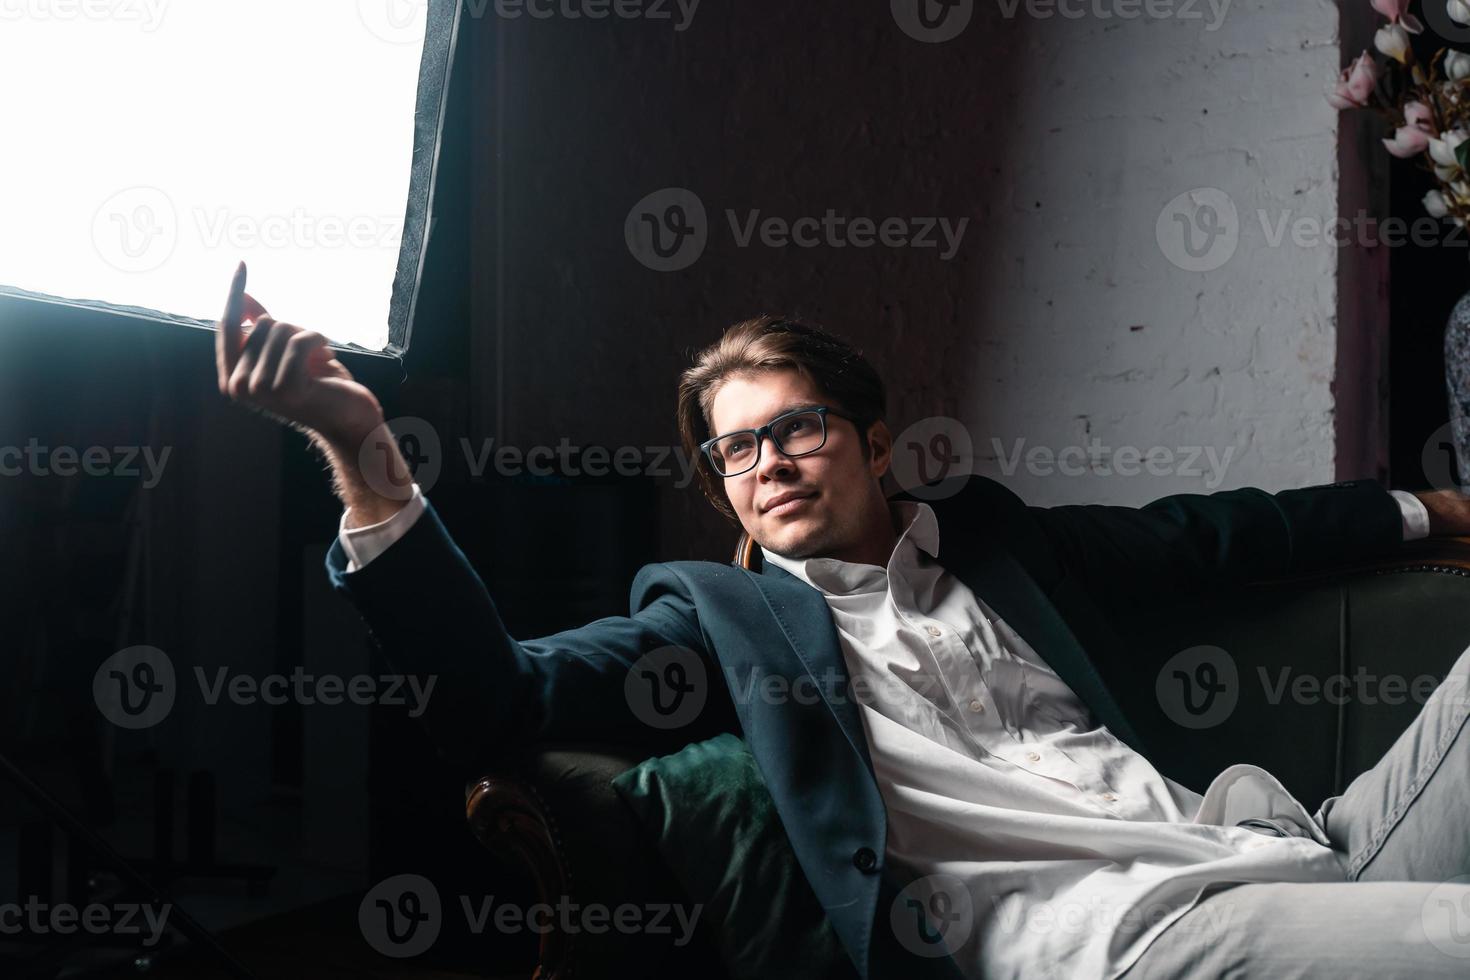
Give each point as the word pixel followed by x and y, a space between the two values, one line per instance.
pixel 965 692
pixel 974 707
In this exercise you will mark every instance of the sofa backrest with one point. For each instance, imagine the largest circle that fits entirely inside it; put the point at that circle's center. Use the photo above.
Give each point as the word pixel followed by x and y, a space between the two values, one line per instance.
pixel 1312 680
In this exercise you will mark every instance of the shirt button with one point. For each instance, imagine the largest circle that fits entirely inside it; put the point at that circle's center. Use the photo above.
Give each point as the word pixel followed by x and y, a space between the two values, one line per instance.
pixel 976 705
pixel 864 859
pixel 1110 797
pixel 1034 757
pixel 934 630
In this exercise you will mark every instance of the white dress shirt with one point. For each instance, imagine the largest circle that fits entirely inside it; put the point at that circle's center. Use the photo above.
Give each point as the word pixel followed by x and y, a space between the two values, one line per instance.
pixel 363 544
pixel 1067 849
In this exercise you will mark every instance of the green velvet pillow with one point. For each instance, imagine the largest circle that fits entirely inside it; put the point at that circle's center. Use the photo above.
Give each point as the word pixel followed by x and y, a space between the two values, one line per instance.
pixel 717 828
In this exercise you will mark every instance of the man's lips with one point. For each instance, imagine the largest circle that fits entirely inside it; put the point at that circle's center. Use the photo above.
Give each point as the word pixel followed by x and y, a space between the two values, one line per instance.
pixel 788 502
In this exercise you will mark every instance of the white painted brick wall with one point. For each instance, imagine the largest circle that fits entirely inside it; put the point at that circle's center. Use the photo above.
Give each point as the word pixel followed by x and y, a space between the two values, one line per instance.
pixel 1089 329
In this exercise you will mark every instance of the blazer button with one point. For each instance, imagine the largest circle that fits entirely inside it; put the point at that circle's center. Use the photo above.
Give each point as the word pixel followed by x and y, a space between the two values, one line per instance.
pixel 864 859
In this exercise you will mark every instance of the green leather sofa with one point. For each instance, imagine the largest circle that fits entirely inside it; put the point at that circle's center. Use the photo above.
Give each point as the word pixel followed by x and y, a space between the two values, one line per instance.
pixel 1327 671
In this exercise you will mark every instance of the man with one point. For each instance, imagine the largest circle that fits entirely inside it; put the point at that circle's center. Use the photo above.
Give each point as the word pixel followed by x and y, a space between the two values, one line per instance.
pixel 989 768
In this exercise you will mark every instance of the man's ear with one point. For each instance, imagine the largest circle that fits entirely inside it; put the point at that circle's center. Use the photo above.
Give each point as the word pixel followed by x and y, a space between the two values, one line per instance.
pixel 880 449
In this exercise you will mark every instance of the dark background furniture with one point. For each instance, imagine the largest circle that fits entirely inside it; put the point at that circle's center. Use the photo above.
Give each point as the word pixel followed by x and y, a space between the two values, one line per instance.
pixel 1387 627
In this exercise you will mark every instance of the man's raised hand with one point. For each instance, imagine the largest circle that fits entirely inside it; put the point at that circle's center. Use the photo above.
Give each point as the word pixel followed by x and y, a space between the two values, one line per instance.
pixel 290 373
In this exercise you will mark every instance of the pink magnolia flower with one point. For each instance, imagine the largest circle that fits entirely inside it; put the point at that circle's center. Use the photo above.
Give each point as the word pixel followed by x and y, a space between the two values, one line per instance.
pixel 1397 12
pixel 1356 84
pixel 1408 141
pixel 1420 116
pixel 1412 138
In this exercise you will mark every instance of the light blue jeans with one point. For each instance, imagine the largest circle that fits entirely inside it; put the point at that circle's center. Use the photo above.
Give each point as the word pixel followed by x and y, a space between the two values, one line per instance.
pixel 1405 910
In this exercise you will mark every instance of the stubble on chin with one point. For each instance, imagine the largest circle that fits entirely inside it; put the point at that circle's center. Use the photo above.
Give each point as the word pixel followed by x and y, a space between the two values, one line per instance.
pixel 799 545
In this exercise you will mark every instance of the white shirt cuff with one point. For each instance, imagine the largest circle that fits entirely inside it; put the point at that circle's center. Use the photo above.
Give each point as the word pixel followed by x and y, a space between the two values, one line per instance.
pixel 1416 515
pixel 363 544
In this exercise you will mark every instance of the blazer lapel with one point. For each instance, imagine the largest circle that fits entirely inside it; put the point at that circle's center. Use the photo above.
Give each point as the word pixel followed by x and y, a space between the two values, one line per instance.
pixel 805 622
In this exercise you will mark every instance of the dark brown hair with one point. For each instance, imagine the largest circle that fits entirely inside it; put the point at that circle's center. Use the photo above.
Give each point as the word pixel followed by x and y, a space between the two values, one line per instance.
pixel 839 371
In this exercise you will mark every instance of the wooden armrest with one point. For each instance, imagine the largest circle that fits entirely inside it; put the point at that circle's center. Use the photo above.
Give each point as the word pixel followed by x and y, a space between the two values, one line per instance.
pixel 552 812
pixel 509 818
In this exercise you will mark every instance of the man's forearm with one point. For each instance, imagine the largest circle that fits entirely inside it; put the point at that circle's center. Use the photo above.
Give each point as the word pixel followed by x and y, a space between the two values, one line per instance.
pixel 1449 511
pixel 369 476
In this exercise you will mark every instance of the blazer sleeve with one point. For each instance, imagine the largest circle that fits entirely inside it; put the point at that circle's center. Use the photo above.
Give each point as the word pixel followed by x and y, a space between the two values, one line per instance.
pixel 433 618
pixel 1186 542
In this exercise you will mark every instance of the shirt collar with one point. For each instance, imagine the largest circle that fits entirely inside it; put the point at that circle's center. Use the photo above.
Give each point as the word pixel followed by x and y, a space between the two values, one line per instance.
pixel 832 576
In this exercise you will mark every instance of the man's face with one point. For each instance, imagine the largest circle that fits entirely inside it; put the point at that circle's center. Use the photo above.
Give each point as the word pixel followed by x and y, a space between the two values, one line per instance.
pixel 840 497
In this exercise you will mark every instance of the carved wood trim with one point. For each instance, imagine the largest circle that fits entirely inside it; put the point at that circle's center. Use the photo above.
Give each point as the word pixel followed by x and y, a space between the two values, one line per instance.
pixel 1438 554
pixel 513 822
pixel 746 555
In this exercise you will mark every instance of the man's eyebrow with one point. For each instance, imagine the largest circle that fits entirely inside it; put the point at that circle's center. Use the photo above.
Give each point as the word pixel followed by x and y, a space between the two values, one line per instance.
pixel 796 407
pixel 780 412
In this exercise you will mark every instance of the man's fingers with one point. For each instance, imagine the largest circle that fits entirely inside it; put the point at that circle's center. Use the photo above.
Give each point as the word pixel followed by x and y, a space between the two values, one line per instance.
pixel 301 351
pixel 227 343
pixel 263 375
pixel 238 385
pixel 256 336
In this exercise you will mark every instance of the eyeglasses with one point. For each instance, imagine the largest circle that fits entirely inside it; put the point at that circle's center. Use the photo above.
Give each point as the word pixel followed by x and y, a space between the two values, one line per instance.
pixel 796 433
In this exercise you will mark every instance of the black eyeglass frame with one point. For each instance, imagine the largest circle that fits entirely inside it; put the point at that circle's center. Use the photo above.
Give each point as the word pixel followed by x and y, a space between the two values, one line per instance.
pixel 760 434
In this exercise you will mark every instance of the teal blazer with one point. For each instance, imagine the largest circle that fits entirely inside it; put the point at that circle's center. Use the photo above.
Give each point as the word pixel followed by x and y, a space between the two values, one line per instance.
pixel 718 633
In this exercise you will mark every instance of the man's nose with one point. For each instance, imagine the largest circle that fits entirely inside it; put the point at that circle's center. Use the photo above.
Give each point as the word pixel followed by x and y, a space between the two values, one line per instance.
pixel 772 460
